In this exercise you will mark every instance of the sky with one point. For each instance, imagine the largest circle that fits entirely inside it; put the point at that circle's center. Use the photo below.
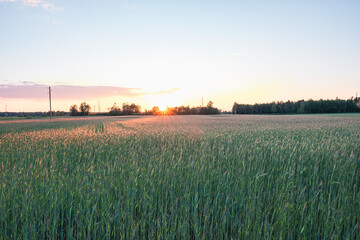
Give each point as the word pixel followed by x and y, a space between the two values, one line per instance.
pixel 171 53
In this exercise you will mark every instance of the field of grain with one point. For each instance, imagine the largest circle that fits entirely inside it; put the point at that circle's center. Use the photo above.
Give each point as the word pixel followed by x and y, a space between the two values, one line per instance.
pixel 182 177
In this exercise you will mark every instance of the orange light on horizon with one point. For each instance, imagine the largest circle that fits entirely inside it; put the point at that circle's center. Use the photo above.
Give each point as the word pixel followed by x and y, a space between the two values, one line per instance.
pixel 163 107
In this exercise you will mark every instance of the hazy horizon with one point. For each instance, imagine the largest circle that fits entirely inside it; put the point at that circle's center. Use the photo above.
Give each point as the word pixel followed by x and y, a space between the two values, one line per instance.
pixel 164 53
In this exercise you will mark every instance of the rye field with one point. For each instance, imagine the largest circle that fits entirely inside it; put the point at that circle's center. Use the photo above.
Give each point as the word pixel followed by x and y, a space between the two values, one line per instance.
pixel 181 177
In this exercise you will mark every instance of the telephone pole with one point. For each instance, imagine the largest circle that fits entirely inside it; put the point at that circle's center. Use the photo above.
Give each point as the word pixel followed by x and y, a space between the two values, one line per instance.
pixel 50 100
pixel 202 102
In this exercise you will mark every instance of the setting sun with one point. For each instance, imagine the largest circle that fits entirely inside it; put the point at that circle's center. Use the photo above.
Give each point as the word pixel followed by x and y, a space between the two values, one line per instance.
pixel 164 101
pixel 163 107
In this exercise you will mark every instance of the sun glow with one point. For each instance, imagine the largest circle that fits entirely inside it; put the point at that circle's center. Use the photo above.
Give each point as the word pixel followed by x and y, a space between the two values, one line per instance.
pixel 164 101
pixel 162 107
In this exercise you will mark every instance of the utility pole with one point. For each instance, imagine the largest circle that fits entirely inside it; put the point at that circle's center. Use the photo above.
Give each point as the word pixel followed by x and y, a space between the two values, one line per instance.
pixel 202 102
pixel 50 100
pixel 99 105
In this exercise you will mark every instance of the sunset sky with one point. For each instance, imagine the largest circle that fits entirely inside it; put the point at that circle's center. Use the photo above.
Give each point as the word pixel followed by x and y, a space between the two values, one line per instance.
pixel 176 52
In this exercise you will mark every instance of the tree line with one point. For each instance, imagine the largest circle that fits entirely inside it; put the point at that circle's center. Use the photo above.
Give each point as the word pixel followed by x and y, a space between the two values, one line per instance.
pixel 129 109
pixel 185 110
pixel 33 114
pixel 126 109
pixel 300 107
pixel 280 107
pixel 82 111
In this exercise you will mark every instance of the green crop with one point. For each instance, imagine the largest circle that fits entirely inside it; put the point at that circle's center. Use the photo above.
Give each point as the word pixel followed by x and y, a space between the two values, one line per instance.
pixel 182 177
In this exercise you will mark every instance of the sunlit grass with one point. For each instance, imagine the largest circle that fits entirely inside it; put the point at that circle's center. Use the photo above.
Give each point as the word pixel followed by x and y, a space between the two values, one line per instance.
pixel 239 177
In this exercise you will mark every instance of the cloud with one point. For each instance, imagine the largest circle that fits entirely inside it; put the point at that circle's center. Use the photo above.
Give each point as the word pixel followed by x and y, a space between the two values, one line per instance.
pixel 33 91
pixel 46 5
pixel 51 7
pixel 27 82
pixel 164 91
pixel 31 3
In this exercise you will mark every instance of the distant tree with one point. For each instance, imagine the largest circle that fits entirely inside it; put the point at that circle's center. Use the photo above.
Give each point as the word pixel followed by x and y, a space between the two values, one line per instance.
pixel 135 108
pixel 273 108
pixel 126 109
pixel 210 104
pixel 209 109
pixel 130 109
pixel 85 108
pixel 114 110
pixel 194 110
pixel 182 110
pixel 74 110
pixel 155 110
pixel 357 101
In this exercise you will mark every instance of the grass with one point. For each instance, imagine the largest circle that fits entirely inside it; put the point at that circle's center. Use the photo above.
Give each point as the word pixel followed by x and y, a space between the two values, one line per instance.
pixel 192 177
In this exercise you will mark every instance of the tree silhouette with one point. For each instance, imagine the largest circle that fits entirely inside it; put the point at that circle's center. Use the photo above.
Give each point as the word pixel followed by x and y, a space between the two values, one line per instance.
pixel 74 110
pixel 273 108
pixel 134 108
pixel 155 110
pixel 115 110
pixel 85 108
pixel 299 107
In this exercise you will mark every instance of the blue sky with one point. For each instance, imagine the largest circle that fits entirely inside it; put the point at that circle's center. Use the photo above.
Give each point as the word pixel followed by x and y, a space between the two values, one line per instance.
pixel 224 51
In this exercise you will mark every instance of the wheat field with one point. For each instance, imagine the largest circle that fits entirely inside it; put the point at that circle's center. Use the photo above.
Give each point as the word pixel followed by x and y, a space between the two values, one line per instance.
pixel 181 177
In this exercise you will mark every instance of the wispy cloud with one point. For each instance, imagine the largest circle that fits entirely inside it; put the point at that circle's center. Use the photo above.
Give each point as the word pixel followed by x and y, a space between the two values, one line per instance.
pixel 164 91
pixel 51 7
pixel 46 5
pixel 31 90
pixel 31 3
